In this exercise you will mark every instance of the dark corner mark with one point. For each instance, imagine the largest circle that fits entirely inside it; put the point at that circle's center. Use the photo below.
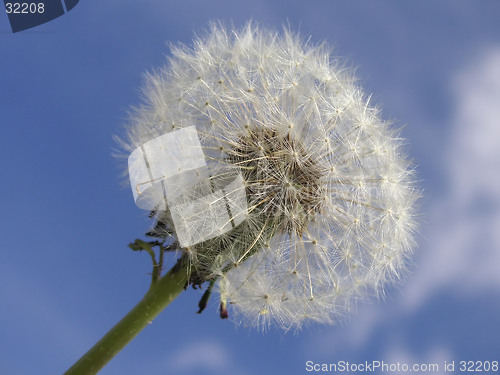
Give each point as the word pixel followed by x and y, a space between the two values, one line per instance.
pixel 26 14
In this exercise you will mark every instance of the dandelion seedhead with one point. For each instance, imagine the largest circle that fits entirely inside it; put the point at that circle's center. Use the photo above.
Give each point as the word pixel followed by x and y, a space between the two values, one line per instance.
pixel 279 181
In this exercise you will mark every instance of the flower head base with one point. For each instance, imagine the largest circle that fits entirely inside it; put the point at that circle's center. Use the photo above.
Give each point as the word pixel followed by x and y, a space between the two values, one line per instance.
pixel 283 179
pixel 327 213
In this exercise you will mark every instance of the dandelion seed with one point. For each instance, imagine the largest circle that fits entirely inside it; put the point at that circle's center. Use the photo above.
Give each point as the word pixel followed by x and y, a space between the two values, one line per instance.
pixel 301 201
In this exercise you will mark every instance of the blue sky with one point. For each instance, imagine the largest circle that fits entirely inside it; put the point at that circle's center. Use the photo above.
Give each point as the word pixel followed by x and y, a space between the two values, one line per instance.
pixel 66 275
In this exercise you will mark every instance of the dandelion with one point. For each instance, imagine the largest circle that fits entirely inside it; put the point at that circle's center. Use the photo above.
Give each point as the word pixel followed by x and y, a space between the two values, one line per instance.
pixel 266 167
pixel 301 200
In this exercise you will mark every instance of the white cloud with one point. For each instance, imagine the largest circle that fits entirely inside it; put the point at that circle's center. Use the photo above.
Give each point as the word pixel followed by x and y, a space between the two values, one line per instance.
pixel 475 153
pixel 462 248
pixel 207 355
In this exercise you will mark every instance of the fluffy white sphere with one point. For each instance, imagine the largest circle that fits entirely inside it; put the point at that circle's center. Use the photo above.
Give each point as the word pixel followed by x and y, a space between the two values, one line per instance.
pixel 331 198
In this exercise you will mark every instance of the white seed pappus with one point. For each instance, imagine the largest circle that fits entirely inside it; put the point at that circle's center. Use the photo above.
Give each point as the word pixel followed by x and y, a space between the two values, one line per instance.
pixel 330 195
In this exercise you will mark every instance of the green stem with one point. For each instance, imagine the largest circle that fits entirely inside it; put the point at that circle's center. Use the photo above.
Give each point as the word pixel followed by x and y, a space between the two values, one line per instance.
pixel 159 296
